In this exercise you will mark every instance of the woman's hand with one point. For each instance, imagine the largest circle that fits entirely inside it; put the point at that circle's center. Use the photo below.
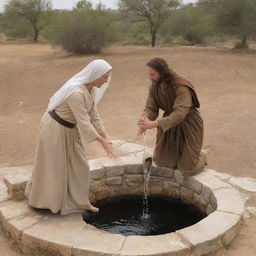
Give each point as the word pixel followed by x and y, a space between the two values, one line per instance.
pixel 106 137
pixel 107 147
pixel 144 123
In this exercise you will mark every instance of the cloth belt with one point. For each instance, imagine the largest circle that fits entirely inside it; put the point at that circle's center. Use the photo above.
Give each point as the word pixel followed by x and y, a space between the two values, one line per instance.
pixel 57 118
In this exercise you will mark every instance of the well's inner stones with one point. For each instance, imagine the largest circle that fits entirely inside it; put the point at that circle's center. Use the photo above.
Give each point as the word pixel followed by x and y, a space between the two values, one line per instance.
pixel 124 215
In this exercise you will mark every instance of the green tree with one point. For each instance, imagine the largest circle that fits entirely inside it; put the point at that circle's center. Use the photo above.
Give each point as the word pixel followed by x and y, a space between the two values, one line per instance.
pixel 191 22
pixel 234 17
pixel 83 5
pixel 81 31
pixel 37 12
pixel 155 12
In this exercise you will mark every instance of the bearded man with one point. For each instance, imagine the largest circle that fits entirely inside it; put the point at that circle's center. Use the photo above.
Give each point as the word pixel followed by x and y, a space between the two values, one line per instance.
pixel 180 131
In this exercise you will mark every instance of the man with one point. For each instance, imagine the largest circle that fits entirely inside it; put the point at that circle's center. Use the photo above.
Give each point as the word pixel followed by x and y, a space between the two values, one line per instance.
pixel 180 130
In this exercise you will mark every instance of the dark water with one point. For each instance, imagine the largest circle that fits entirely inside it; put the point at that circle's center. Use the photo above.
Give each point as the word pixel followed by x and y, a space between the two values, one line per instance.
pixel 124 215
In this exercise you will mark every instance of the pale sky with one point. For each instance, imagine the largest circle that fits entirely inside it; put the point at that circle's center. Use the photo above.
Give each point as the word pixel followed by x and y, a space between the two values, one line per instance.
pixel 69 4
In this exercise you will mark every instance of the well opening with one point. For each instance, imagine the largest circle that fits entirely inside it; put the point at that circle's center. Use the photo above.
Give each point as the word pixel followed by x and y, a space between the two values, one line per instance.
pixel 175 202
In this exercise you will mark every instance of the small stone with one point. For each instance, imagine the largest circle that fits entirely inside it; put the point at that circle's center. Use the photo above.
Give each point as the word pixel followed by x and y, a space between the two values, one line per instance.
pixel 113 181
pixel 171 189
pixel 186 195
pixel 97 174
pixel 162 172
pixel 114 171
pixel 192 184
pixel 133 179
pixel 209 209
pixel 205 194
pixel 178 177
pixel 153 181
pixel 155 190
pixel 134 169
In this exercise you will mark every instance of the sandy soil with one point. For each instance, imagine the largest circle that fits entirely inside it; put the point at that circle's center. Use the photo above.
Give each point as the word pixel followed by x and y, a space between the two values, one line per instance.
pixel 225 81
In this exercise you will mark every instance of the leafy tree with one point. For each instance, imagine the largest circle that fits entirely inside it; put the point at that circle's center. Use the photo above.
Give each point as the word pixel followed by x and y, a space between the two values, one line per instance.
pixel 155 12
pixel 82 31
pixel 191 22
pixel 37 12
pixel 83 5
pixel 234 17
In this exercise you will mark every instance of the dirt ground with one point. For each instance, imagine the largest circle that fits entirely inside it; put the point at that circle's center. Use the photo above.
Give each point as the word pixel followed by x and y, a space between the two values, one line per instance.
pixel 224 79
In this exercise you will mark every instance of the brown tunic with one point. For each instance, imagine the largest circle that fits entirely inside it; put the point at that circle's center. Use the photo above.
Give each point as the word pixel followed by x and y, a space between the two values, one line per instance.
pixel 180 134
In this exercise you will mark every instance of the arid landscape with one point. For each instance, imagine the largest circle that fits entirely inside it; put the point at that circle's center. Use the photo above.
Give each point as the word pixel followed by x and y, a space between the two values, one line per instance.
pixel 225 81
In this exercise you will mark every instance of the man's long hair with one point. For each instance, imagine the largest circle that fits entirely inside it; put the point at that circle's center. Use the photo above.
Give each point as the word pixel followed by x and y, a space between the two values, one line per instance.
pixel 162 67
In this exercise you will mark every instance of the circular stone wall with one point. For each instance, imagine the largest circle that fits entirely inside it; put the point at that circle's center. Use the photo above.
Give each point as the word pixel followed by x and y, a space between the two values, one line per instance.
pixel 43 233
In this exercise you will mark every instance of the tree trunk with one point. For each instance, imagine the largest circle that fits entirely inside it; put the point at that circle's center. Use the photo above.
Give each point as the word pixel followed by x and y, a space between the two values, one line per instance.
pixel 244 42
pixel 153 37
pixel 36 33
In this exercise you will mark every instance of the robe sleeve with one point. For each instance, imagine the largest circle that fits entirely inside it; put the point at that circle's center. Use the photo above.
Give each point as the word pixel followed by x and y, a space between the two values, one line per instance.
pixel 181 107
pixel 96 121
pixel 151 110
pixel 77 104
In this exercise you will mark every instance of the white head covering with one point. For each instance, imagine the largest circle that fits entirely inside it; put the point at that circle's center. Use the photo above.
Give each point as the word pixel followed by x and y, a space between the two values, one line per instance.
pixel 93 71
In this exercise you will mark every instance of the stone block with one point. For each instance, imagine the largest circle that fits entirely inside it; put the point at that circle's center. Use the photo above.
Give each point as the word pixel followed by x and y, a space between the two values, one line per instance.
pixel 133 179
pixel 169 244
pixel 210 181
pixel 192 184
pixel 97 174
pixel 187 195
pixel 155 190
pixel 3 193
pixel 153 181
pixel 179 178
pixel 130 148
pixel 230 200
pixel 114 171
pixel 219 175
pixel 171 189
pixel 162 172
pixel 17 182
pixel 61 235
pixel 247 184
pixel 113 181
pixel 209 234
pixel 134 169
pixel 12 208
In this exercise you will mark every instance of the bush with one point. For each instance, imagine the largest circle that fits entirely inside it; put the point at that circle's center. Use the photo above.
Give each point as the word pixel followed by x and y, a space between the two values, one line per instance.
pixel 15 26
pixel 81 31
pixel 190 22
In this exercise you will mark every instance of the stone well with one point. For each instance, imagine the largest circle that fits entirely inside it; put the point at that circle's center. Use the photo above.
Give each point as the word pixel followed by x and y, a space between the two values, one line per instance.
pixel 42 233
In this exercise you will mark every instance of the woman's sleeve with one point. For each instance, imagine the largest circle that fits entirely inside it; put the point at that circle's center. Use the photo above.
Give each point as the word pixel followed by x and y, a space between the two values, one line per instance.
pixel 96 121
pixel 151 110
pixel 181 107
pixel 77 105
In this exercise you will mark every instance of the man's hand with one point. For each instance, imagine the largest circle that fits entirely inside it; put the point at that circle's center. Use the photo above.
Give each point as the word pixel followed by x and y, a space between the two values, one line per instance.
pixel 144 123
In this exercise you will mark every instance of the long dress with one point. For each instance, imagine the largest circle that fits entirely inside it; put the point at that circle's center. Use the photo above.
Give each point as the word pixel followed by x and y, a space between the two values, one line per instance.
pixel 60 177
pixel 180 133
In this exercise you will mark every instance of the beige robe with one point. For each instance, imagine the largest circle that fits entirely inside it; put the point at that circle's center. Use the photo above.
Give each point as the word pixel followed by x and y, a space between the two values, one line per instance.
pixel 60 178
pixel 180 134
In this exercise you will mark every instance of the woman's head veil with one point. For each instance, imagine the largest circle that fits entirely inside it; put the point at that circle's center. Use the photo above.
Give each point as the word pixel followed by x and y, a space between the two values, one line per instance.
pixel 93 71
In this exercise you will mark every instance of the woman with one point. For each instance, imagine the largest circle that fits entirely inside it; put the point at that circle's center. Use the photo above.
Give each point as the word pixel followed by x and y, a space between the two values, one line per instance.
pixel 180 130
pixel 60 179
